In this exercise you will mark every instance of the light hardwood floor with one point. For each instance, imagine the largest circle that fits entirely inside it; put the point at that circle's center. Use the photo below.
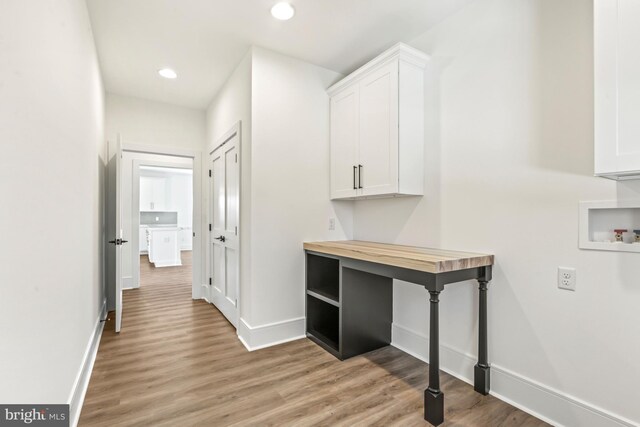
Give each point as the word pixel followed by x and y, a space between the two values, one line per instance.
pixel 178 362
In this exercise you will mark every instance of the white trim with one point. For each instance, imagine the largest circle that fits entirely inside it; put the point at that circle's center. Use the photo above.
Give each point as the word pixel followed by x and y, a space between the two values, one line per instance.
pixel 546 403
pixel 127 283
pixel 263 336
pixel 235 129
pixel 204 293
pixel 159 149
pixel 80 385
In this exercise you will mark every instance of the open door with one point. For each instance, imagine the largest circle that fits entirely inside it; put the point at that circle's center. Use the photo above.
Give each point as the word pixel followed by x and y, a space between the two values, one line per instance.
pixel 225 217
pixel 118 241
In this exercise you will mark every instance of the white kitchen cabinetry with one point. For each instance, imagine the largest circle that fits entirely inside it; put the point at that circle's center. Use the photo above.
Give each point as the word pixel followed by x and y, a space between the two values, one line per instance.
pixel 164 246
pixel 617 88
pixel 377 127
pixel 153 193
pixel 142 238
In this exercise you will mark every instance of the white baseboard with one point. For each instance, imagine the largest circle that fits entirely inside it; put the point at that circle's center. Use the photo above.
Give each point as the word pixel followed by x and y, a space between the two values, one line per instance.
pixel 204 293
pixel 127 283
pixel 543 402
pixel 79 389
pixel 257 337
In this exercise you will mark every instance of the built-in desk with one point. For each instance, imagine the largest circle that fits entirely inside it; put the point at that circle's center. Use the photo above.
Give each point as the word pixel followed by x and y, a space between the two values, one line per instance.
pixel 349 298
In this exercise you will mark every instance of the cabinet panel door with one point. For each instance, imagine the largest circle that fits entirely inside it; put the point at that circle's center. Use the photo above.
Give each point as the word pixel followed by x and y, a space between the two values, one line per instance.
pixel 378 148
pixel 146 193
pixel 344 143
pixel 617 86
pixel 159 194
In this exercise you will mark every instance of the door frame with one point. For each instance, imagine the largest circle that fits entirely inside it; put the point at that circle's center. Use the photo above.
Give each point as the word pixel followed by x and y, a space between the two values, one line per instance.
pixel 135 208
pixel 236 129
pixel 198 225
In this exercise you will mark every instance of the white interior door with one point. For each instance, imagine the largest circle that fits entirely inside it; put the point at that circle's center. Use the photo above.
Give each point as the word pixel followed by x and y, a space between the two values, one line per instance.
pixel 225 215
pixel 118 241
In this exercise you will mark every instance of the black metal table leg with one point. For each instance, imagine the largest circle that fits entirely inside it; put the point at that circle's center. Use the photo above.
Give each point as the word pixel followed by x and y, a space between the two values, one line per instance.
pixel 433 397
pixel 481 374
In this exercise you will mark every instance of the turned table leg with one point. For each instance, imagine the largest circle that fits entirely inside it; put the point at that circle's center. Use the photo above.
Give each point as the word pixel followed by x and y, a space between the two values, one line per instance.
pixel 433 397
pixel 481 372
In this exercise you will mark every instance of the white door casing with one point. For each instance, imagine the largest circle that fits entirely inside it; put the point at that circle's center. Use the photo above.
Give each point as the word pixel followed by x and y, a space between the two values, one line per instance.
pixel 224 241
pixel 118 240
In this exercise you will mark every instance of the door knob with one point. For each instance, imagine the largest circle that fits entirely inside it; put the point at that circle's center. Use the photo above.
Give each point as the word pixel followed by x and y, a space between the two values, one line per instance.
pixel 221 238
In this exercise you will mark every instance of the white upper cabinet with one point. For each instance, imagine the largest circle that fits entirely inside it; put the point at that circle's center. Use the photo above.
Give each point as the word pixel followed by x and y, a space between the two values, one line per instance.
pixel 344 143
pixel 152 193
pixel 377 127
pixel 617 88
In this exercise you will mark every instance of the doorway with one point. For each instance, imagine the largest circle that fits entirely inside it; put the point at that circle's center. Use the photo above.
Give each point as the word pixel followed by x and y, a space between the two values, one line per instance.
pixel 162 221
pixel 153 161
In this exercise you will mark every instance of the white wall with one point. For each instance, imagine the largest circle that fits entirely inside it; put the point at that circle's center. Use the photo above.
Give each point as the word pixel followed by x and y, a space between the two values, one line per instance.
pixel 51 185
pixel 233 104
pixel 139 121
pixel 284 109
pixel 509 156
pixel 154 123
pixel 290 181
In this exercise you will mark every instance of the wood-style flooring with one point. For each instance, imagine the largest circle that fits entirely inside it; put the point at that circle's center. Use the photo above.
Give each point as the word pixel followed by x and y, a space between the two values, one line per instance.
pixel 178 362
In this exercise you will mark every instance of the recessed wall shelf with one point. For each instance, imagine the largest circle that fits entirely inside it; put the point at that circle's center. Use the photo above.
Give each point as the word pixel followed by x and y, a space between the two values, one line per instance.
pixel 599 219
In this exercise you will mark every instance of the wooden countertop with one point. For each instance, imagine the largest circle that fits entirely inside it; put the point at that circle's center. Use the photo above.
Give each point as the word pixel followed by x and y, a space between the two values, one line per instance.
pixel 410 257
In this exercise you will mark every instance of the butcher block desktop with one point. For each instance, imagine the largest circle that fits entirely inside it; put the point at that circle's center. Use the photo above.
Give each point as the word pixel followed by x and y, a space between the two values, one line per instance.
pixel 349 297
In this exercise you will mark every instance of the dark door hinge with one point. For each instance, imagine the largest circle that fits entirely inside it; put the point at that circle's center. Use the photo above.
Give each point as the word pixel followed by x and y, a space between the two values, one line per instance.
pixel 236 157
pixel 210 281
pixel 209 173
pixel 209 227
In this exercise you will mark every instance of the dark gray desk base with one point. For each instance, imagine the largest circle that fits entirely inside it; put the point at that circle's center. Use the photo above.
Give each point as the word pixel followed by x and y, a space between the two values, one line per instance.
pixel 349 312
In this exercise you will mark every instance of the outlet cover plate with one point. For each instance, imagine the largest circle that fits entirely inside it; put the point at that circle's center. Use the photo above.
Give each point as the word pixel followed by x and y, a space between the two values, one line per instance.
pixel 567 278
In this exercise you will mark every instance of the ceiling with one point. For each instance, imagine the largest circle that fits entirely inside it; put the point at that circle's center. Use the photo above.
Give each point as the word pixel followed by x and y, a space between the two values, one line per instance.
pixel 204 40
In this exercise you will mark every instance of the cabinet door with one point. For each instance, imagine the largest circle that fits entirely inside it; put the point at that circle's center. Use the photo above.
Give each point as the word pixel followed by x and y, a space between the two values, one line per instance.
pixel 159 194
pixel 146 193
pixel 617 87
pixel 344 143
pixel 378 147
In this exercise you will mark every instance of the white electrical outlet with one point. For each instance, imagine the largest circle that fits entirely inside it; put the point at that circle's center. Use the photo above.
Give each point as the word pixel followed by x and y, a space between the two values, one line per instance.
pixel 332 223
pixel 567 278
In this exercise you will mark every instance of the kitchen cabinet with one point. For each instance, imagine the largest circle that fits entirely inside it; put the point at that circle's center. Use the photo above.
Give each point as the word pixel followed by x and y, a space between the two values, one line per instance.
pixel 142 238
pixel 377 127
pixel 163 245
pixel 153 193
pixel 617 89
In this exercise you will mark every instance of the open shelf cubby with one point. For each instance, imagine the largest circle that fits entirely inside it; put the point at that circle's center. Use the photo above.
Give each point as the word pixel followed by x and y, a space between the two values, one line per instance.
pixel 323 323
pixel 599 219
pixel 323 276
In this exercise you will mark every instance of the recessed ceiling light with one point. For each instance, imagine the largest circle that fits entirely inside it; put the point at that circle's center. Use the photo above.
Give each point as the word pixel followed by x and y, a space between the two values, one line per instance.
pixel 283 11
pixel 168 73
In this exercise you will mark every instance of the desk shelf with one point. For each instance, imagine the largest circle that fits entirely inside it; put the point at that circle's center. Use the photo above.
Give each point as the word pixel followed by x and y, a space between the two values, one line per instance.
pixel 323 323
pixel 323 276
pixel 340 303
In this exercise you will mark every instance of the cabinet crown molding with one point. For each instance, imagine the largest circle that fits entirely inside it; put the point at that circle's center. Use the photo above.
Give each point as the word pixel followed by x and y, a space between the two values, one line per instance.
pixel 400 51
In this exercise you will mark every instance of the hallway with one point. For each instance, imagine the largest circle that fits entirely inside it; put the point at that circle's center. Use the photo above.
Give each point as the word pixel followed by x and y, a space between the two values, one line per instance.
pixel 178 362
